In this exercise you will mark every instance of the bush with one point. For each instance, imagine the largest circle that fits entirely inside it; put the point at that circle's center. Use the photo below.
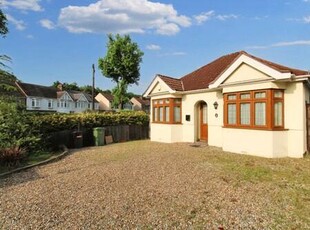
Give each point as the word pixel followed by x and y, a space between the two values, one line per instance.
pixel 48 123
pixel 12 156
pixel 16 128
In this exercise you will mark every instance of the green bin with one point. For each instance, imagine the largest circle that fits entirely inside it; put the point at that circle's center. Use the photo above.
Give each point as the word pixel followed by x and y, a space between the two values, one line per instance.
pixel 99 134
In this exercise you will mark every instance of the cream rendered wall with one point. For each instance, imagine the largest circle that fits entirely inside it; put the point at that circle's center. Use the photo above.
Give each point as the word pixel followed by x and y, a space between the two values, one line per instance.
pixel 104 103
pixel 246 73
pixel 160 88
pixel 190 104
pixel 166 133
pixel 255 142
pixel 295 120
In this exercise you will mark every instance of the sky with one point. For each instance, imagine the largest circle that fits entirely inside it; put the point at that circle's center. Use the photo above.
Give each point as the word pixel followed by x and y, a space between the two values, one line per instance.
pixel 59 40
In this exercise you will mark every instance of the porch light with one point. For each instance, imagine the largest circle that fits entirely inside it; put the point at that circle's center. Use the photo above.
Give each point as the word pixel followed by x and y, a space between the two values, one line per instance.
pixel 215 104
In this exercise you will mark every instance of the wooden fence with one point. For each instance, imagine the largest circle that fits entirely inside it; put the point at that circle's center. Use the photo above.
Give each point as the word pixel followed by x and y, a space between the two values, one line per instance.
pixel 85 137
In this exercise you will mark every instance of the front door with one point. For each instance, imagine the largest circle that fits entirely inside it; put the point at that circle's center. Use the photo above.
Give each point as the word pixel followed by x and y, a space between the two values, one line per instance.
pixel 203 122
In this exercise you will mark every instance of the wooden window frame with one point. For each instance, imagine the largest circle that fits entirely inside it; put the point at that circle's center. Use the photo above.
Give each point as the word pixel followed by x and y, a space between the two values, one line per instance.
pixel 269 101
pixel 166 102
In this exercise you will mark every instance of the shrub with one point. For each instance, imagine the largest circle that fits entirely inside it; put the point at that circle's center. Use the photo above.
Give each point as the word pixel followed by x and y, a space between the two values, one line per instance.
pixel 48 123
pixel 12 156
pixel 16 128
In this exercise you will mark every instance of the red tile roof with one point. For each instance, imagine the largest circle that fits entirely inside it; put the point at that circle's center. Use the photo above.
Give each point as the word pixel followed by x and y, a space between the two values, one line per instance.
pixel 173 83
pixel 202 77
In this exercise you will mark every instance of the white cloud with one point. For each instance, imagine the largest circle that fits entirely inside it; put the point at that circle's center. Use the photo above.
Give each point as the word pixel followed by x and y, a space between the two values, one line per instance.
pixel 19 24
pixel 118 16
pixel 260 17
pixel 178 53
pixel 205 16
pixel 293 43
pixel 306 19
pixel 283 44
pixel 29 36
pixel 226 17
pixel 32 5
pixel 48 24
pixel 153 47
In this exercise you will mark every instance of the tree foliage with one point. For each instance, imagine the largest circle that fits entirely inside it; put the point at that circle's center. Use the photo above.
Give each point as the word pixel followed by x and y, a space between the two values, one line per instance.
pixel 121 64
pixel 122 60
pixel 75 86
pixel 3 31
pixel 3 24
pixel 120 95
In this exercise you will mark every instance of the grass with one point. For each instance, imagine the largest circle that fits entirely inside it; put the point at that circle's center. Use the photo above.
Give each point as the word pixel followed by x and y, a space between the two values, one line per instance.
pixel 31 159
pixel 288 178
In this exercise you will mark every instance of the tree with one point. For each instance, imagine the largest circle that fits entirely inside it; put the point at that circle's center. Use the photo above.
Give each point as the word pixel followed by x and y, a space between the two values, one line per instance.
pixel 3 24
pixel 121 64
pixel 3 31
pixel 120 94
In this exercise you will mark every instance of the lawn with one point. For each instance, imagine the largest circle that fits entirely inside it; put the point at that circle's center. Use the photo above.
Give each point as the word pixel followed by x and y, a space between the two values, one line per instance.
pixel 148 185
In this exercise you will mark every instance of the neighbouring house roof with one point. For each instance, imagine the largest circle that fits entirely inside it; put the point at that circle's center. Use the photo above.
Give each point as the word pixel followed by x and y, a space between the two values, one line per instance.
pixel 142 100
pixel 32 90
pixel 76 95
pixel 109 97
pixel 204 76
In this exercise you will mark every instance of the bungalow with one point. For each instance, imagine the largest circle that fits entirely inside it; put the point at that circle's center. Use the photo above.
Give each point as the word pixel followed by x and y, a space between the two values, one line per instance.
pixel 239 102
pixel 140 103
pixel 49 99
pixel 106 102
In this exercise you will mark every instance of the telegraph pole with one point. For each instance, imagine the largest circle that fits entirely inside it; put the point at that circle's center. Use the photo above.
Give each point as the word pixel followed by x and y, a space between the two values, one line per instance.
pixel 93 88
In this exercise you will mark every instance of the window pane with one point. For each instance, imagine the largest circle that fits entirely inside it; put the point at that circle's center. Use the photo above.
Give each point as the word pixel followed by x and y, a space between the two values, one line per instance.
pixel 260 95
pixel 232 97
pixel 278 94
pixel 177 114
pixel 155 114
pixel 245 96
pixel 204 114
pixel 245 113
pixel 161 113
pixel 167 110
pixel 161 101
pixel 167 101
pixel 278 119
pixel 232 115
pixel 260 113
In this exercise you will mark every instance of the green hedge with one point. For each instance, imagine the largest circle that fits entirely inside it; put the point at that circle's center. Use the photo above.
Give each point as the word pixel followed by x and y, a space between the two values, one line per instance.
pixel 48 123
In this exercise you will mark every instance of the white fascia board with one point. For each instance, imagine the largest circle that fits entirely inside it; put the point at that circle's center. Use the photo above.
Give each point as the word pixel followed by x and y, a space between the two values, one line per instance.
pixel 156 80
pixel 253 63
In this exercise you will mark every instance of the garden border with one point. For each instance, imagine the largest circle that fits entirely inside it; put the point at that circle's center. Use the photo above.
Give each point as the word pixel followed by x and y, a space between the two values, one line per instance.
pixel 55 158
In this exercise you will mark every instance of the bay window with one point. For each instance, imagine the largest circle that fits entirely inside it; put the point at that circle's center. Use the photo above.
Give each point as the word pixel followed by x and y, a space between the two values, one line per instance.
pixel 260 109
pixel 167 110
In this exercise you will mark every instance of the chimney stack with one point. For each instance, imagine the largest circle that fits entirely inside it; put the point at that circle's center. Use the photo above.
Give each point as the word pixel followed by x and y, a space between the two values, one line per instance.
pixel 59 87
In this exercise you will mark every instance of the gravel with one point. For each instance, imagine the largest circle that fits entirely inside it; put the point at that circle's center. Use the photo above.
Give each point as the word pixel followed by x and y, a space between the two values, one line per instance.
pixel 140 185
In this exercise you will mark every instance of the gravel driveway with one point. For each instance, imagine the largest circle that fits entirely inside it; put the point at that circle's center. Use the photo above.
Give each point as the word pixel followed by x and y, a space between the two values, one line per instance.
pixel 141 185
